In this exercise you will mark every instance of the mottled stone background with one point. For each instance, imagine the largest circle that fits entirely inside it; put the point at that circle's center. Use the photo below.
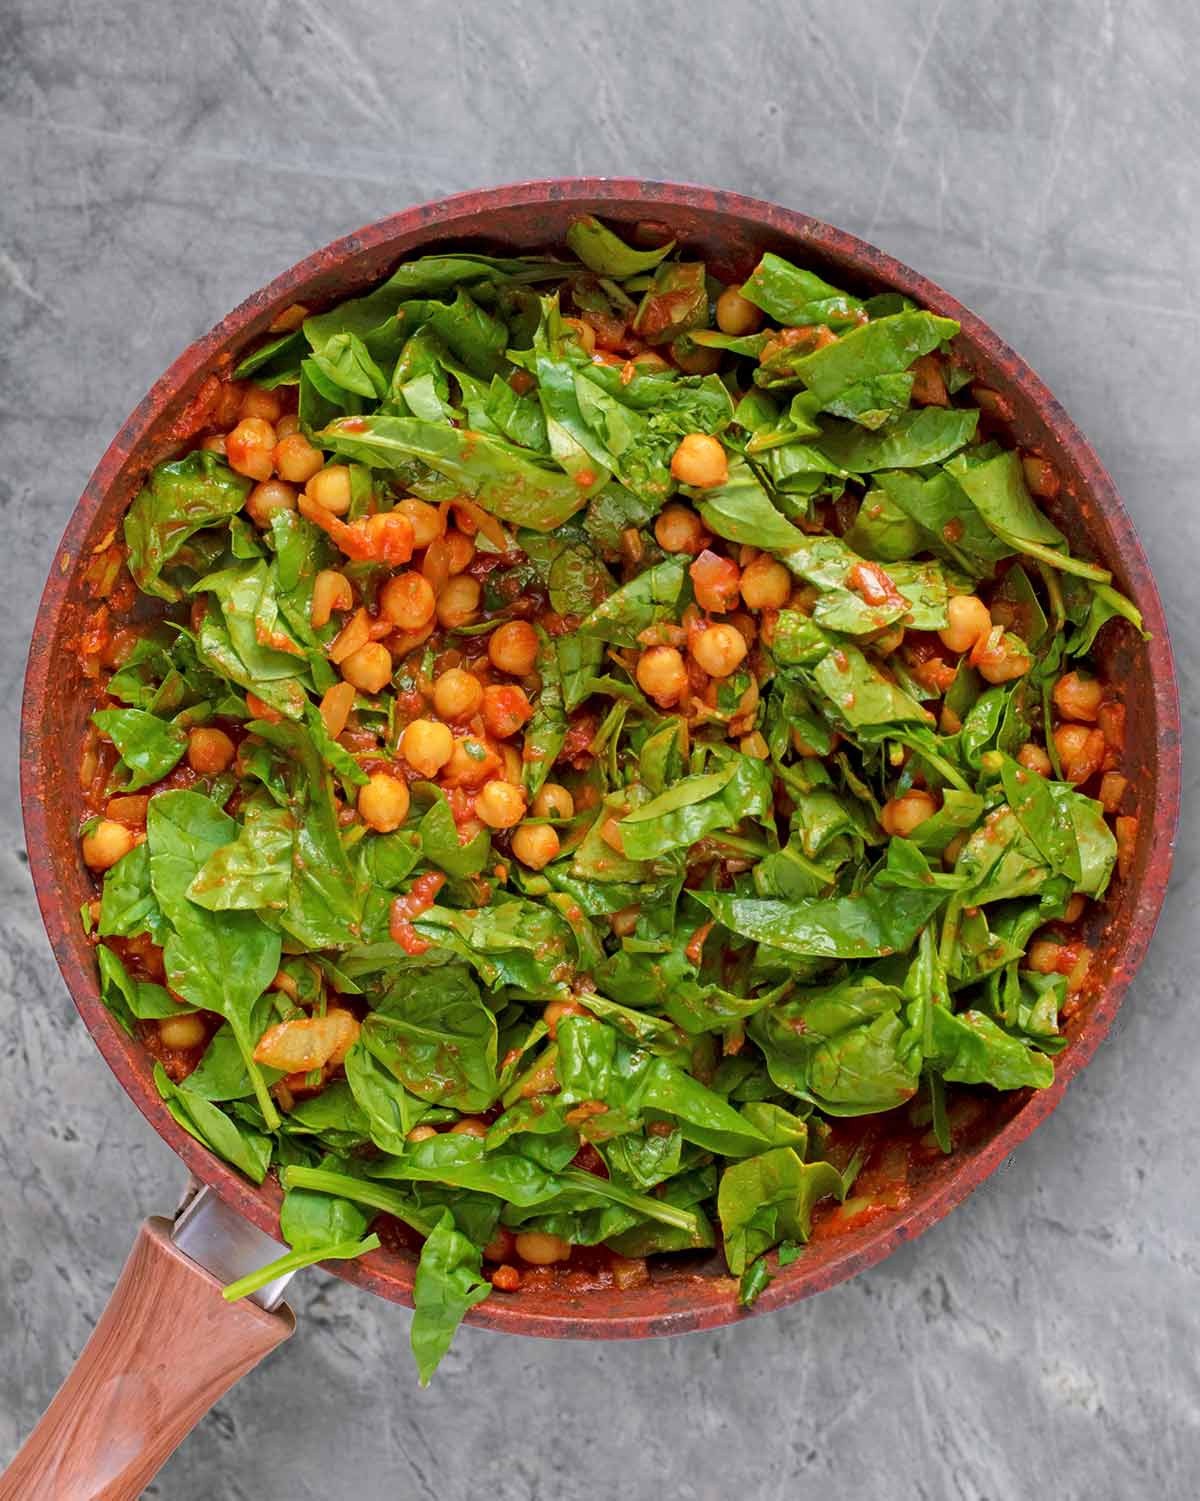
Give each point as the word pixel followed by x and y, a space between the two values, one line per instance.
pixel 161 160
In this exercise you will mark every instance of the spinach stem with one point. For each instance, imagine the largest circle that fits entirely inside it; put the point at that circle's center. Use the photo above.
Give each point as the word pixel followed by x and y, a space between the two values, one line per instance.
pixel 342 1250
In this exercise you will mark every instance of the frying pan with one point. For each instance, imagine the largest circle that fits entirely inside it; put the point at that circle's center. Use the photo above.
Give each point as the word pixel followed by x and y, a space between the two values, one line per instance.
pixel 730 232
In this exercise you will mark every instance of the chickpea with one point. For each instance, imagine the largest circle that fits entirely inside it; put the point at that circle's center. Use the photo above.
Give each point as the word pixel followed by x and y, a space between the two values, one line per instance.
pixel 513 648
pixel 459 551
pixel 471 763
pixel 662 675
pixel 737 315
pixel 288 424
pixel 501 805
pixel 679 529
pixel 470 1125
pixel 535 844
pixel 952 851
pixel 214 443
pixel 541 1249
pixel 505 709
pixel 407 600
pixel 457 694
pixel 554 801
pixel 421 1133
pixel 903 814
pixel 1043 957
pixel 700 461
pixel 716 582
pixel 331 591
pixel 369 668
pixel 426 521
pixel 181 1031
pixel 694 359
pixel 584 333
pixel 719 650
pixel 1033 758
pixel 766 584
pixel 210 750
pixel 427 745
pixel 296 460
pixel 259 403
pixel 1074 909
pixel 754 744
pixel 267 497
pixel 649 362
pixel 458 603
pixel 107 843
pixel 970 618
pixel 999 661
pixel 1077 696
pixel 501 1245
pixel 1081 751
pixel 330 487
pixel 249 447
pixel 383 802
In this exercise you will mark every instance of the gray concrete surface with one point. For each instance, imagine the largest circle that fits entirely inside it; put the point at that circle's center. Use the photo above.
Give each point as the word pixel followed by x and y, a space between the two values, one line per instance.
pixel 1039 160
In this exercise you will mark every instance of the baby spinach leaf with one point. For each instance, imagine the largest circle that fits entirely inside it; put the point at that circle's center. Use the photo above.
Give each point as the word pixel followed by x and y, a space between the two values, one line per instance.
pixel 792 295
pixel 925 435
pixel 255 869
pixel 130 999
pixel 449 1281
pixel 249 1151
pixel 884 346
pixel 128 905
pixel 181 498
pixel 631 609
pixel 607 254
pixel 697 806
pixel 502 478
pixel 767 1198
pixel 996 487
pixel 874 921
pixel 440 843
pixel 150 747
pixel 740 511
pixel 437 1038
pixel 847 1047
pixel 219 962
pixel 969 1048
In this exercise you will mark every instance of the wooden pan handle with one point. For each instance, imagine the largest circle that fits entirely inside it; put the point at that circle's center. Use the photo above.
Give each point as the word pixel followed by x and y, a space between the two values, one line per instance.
pixel 165 1349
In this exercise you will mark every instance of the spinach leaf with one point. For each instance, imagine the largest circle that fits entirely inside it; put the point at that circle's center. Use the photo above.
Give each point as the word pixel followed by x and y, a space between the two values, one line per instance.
pixel 769 1198
pixel 255 869
pixel 872 922
pixel 219 962
pixel 247 1150
pixel 883 346
pixel 502 478
pixel 607 254
pixel 797 297
pixel 740 511
pixel 182 498
pixel 128 905
pixel 646 599
pixel 697 806
pixel 150 747
pixel 449 1281
pixel 130 999
pixel 925 435
pixel 996 487
pixel 435 1035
